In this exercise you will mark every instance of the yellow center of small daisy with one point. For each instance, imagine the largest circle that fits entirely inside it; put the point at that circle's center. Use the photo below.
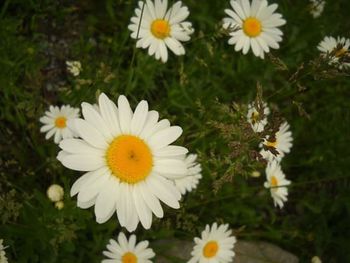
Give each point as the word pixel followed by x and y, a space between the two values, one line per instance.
pixel 61 122
pixel 339 53
pixel 252 27
pixel 273 181
pixel 210 249
pixel 129 158
pixel 129 258
pixel 160 28
pixel 255 117
pixel 272 144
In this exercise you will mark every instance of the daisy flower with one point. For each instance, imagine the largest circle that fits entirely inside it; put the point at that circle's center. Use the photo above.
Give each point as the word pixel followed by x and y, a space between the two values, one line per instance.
pixel 127 251
pixel 276 148
pixel 277 182
pixel 74 67
pixel 55 122
pixel 157 28
pixel 55 192
pixel 3 258
pixel 335 49
pixel 215 246
pixel 316 7
pixel 129 161
pixel 253 26
pixel 190 181
pixel 253 116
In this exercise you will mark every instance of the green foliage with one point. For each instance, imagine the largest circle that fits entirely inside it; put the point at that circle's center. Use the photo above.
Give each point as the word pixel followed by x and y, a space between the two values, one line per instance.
pixel 206 92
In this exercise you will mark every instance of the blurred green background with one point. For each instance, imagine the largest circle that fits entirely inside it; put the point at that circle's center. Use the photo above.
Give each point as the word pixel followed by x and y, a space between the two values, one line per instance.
pixel 37 37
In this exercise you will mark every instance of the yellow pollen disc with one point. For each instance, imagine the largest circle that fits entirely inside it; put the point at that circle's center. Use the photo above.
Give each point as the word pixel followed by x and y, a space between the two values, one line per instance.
pixel 274 181
pixel 210 249
pixel 60 122
pixel 129 258
pixel 339 53
pixel 129 158
pixel 271 144
pixel 160 28
pixel 252 27
pixel 255 117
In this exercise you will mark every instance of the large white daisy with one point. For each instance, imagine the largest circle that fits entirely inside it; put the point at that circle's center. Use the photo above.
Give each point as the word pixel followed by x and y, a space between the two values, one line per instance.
pixel 127 251
pixel 156 28
pixel 257 120
pixel 215 245
pixel 275 148
pixel 191 180
pixel 55 122
pixel 335 49
pixel 129 161
pixel 276 182
pixel 253 26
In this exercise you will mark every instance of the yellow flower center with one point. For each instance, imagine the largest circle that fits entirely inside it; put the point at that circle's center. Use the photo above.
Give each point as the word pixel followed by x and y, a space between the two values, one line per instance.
pixel 273 181
pixel 129 257
pixel 210 249
pixel 255 117
pixel 272 144
pixel 252 27
pixel 339 53
pixel 160 28
pixel 61 122
pixel 129 158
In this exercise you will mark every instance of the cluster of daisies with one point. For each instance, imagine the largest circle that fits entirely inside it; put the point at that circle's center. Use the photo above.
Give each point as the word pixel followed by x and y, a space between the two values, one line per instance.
pixel 251 25
pixel 273 149
pixel 215 245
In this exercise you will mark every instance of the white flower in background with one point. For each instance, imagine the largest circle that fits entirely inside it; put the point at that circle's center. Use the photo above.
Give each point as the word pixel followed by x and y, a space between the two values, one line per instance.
pixel 55 122
pixel 55 192
pixel 214 246
pixel 255 174
pixel 317 7
pixel 257 120
pixel 157 28
pixel 316 259
pixel 127 251
pixel 336 49
pixel 276 148
pixel 3 258
pixel 276 182
pixel 191 180
pixel 74 67
pixel 59 205
pixel 129 161
pixel 253 26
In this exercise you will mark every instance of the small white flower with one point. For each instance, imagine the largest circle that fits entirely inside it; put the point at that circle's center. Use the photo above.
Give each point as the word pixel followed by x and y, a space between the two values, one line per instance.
pixel 127 251
pixel 277 183
pixel 55 192
pixel 257 122
pixel 190 181
pixel 253 26
pixel 157 28
pixel 55 122
pixel 129 162
pixel 280 145
pixel 3 258
pixel 59 205
pixel 335 49
pixel 317 7
pixel 214 246
pixel 74 67
pixel 255 174
pixel 316 259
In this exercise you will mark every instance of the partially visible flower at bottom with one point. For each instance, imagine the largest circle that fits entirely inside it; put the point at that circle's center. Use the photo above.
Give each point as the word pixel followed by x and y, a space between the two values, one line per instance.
pixel 316 259
pixel 191 180
pixel 3 258
pixel 127 251
pixel 277 183
pixel 215 245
